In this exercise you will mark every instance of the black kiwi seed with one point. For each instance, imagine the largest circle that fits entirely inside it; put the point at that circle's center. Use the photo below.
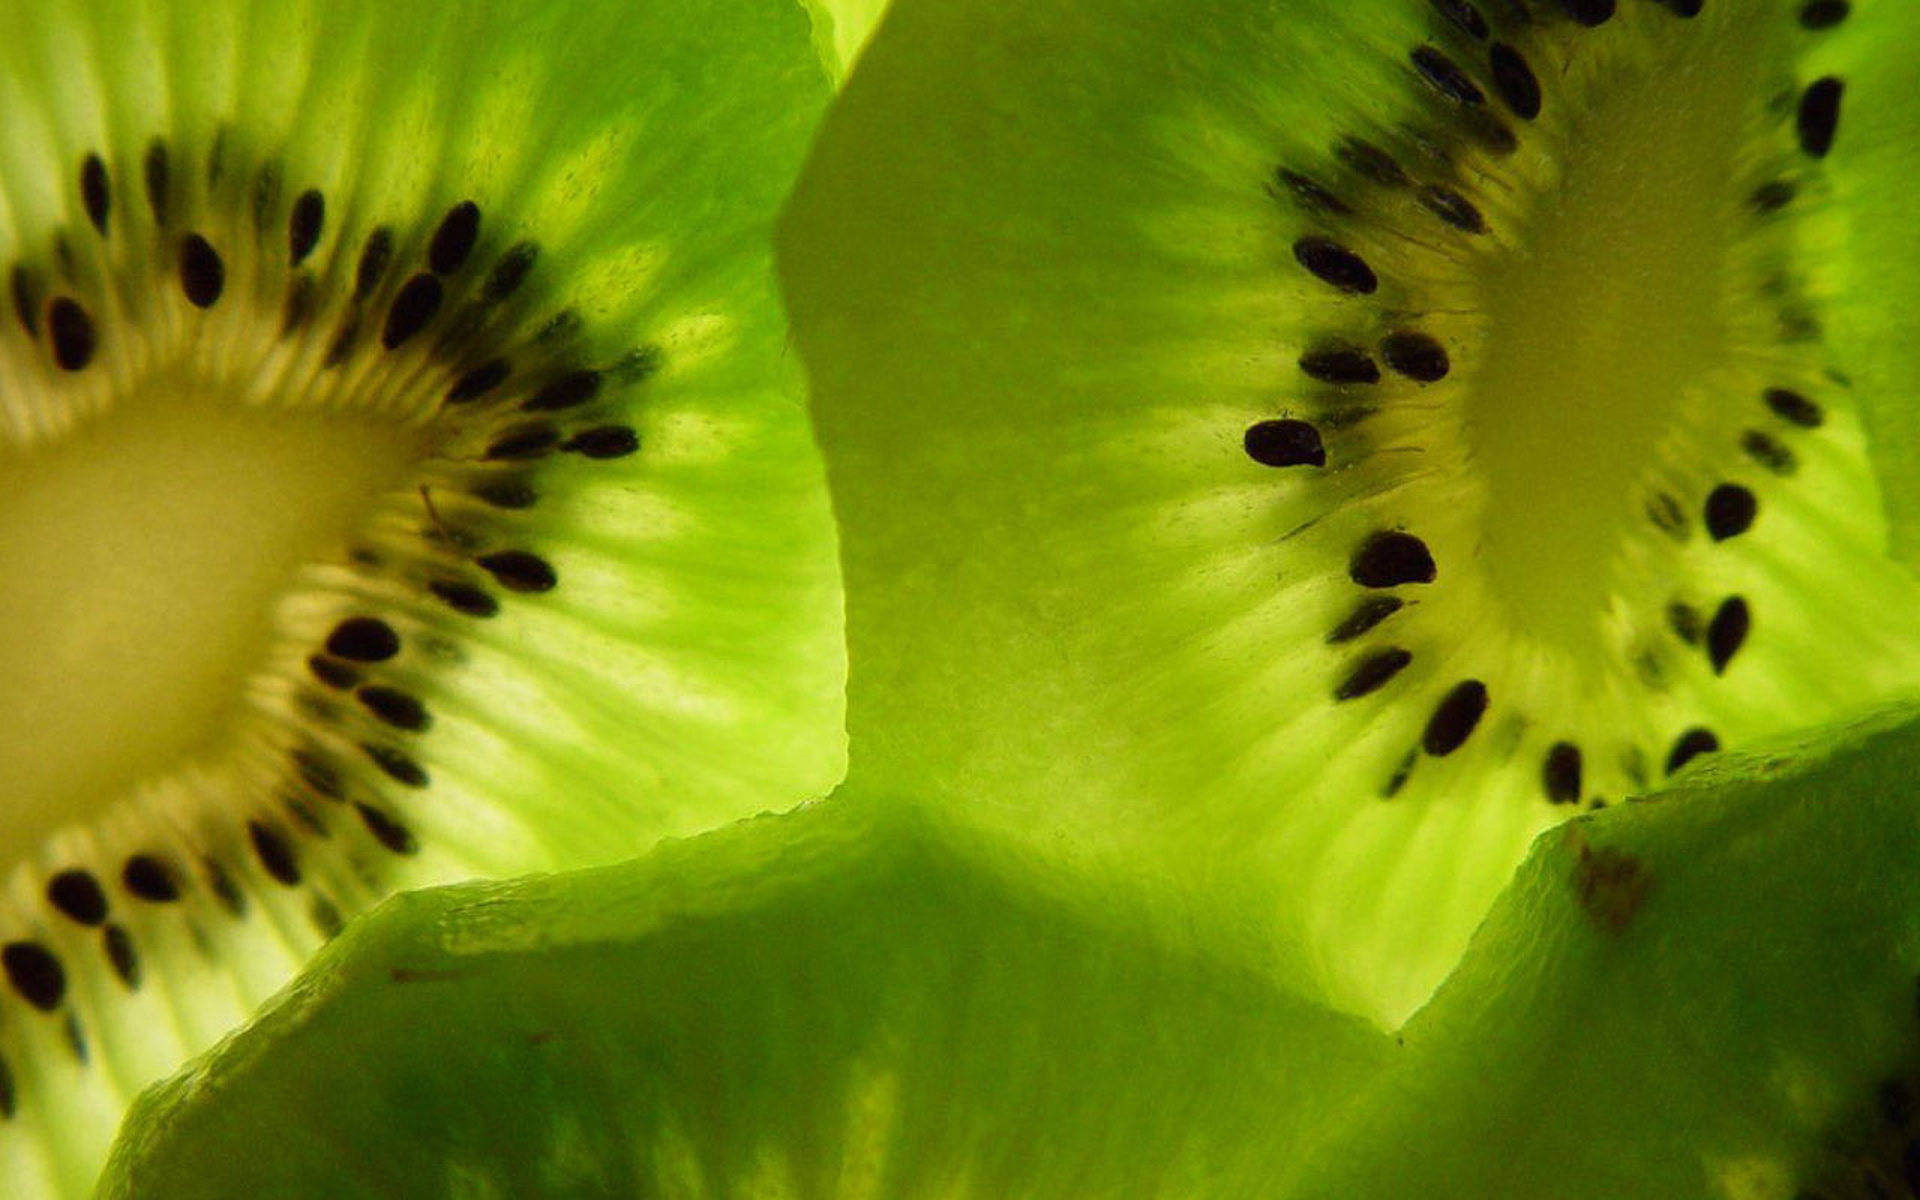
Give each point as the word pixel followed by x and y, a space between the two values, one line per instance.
pixel 76 894
pixel 387 831
pixel 1334 264
pixel 1453 208
pixel 299 306
pixel 1560 773
pixel 274 853
pixel 569 391
pixel 1686 622
pixel 510 271
pixel 479 381
pixel 1372 673
pixel 316 774
pixel 1772 196
pixel 1667 515
pixel 1515 81
pixel 94 192
pixel 1767 450
pixel 397 708
pixel 603 442
pixel 1463 15
pixel 1792 407
pixel 522 443
pixel 519 570
pixel 1590 13
pixel 1819 116
pixel 1370 161
pixel 1689 746
pixel 1455 718
pixel 464 597
pixel 1447 79
pixel 1309 194
pixel 1340 364
pixel 1727 632
pixel 1285 443
pixel 224 889
pixel 35 973
pixel 1390 558
pixel 453 241
pixel 509 494
pixel 304 223
pixel 26 303
pixel 1730 510
pixel 395 765
pixel 417 302
pixel 1415 355
pixel 1365 615
pixel 202 276
pixel 150 879
pixel 336 675
pixel 72 332
pixel 118 944
pixel 156 173
pixel 374 257
pixel 1823 14
pixel 7 1101
pixel 363 639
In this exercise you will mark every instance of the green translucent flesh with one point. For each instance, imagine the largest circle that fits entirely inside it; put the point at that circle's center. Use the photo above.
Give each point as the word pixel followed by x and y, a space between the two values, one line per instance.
pixel 842 28
pixel 835 1002
pixel 1874 161
pixel 1042 287
pixel 1699 996
pixel 687 669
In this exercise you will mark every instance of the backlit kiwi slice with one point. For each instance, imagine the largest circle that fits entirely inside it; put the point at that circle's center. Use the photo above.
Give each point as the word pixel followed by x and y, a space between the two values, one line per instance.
pixel 1712 995
pixel 403 476
pixel 822 1004
pixel 1292 454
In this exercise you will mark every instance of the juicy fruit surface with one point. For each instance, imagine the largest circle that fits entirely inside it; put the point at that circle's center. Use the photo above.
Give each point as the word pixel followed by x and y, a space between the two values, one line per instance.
pixel 406 480
pixel 1409 448
pixel 831 1003
pixel 1679 999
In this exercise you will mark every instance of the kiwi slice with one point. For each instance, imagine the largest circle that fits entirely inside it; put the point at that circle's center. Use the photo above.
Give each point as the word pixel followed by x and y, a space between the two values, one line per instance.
pixel 1290 457
pixel 1713 995
pixel 406 479
pixel 836 1002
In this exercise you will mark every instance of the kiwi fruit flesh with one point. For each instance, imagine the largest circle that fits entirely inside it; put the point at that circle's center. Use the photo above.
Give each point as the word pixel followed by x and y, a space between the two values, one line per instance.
pixel 1678 998
pixel 1288 458
pixel 402 478
pixel 835 1002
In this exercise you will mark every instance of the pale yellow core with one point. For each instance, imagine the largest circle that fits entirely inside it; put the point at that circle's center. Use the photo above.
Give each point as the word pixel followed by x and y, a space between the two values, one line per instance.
pixel 140 560
pixel 1605 315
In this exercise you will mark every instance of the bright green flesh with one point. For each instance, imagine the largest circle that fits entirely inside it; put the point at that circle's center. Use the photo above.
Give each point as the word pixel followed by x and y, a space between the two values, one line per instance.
pixel 1725 1038
pixel 828 1004
pixel 1874 164
pixel 167 591
pixel 1043 284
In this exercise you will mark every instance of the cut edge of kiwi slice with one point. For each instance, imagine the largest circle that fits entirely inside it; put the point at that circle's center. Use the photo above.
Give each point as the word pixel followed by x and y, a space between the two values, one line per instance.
pixel 844 1000
pixel 1709 994
pixel 407 481
pixel 1291 458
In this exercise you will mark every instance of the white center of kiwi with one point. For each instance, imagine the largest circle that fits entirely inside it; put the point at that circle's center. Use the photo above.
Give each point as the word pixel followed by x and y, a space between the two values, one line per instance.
pixel 144 552
pixel 1604 324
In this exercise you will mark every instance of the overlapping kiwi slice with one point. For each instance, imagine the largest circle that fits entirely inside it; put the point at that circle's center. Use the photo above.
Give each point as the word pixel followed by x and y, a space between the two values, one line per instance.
pixel 1675 998
pixel 831 1003
pixel 1292 454
pixel 403 477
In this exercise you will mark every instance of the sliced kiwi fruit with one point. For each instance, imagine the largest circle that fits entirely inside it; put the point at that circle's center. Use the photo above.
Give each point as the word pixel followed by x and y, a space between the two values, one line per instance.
pixel 1712 994
pixel 835 1002
pixel 1290 455
pixel 403 477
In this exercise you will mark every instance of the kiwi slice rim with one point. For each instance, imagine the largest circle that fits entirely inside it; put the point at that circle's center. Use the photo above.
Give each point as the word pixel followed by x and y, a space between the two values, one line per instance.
pixel 1105 442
